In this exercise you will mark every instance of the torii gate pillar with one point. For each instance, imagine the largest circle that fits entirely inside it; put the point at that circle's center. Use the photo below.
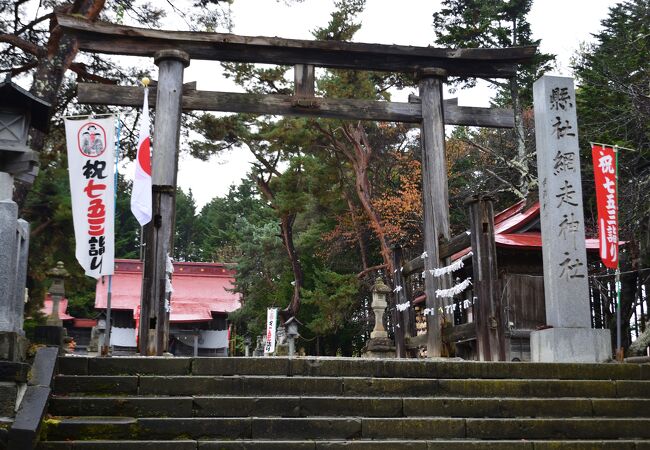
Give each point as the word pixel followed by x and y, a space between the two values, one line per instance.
pixel 155 303
pixel 435 196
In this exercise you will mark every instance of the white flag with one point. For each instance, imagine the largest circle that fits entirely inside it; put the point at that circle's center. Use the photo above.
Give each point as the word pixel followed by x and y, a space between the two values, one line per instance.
pixel 91 154
pixel 141 194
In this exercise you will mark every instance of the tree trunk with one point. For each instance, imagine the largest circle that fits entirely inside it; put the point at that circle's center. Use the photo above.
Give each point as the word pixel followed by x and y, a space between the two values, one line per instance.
pixel 50 70
pixel 286 225
pixel 519 135
pixel 359 234
pixel 286 231
pixel 61 51
pixel 360 161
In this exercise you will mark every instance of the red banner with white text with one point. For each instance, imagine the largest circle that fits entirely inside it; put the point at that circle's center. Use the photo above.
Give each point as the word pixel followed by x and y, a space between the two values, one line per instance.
pixel 605 177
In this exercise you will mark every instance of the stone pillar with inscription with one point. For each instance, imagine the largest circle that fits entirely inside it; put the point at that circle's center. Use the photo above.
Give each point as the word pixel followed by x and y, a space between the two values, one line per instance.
pixel 570 337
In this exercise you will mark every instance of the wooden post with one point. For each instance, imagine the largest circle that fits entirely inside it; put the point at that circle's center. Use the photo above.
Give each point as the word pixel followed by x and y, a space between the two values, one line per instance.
pixel 303 76
pixel 435 197
pixel 400 318
pixel 490 330
pixel 167 127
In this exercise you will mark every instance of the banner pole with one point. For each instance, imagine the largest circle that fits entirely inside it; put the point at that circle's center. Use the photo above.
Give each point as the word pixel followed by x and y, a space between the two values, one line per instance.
pixel 618 313
pixel 107 340
pixel 619 350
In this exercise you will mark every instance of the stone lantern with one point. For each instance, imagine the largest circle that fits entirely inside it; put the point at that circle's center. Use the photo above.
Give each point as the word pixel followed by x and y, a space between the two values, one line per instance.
pixel 379 304
pixel 292 333
pixel 18 111
pixel 247 345
pixel 58 275
pixel 379 345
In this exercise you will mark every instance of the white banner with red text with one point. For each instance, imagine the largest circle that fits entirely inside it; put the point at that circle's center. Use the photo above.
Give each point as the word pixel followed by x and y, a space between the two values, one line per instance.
pixel 271 326
pixel 91 165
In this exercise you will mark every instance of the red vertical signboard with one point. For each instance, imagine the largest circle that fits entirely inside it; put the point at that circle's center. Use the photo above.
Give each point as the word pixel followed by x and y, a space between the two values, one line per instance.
pixel 605 177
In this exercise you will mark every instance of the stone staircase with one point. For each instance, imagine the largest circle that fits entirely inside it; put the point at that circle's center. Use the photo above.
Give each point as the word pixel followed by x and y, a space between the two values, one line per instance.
pixel 330 403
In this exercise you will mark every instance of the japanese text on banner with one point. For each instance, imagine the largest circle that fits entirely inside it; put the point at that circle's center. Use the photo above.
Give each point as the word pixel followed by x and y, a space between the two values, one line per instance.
pixel 606 195
pixel 91 153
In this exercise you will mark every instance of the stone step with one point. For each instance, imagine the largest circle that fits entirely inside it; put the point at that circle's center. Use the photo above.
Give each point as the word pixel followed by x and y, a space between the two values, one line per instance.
pixel 350 386
pixel 354 367
pixel 294 406
pixel 348 428
pixel 347 445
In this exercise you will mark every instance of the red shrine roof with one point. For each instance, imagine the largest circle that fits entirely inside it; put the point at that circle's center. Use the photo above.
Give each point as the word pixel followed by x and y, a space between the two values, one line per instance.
pixel 507 226
pixel 199 290
pixel 63 307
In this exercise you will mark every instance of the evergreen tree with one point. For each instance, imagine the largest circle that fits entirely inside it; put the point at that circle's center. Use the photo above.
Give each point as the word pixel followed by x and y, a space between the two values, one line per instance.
pixel 496 24
pixel 613 101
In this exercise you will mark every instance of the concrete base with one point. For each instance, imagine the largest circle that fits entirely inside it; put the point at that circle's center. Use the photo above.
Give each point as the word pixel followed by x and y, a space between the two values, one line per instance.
pixel 13 346
pixel 379 348
pixel 584 345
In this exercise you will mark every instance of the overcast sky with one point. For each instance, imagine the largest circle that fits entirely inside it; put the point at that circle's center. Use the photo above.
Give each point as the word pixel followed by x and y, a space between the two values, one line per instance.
pixel 562 25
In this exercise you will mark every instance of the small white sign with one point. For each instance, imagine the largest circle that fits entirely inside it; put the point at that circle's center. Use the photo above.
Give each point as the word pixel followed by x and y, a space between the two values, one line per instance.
pixel 271 325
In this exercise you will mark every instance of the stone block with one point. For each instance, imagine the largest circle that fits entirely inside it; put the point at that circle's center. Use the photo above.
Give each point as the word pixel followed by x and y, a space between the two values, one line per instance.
pixel 607 407
pixel 405 368
pixel 118 445
pixel 586 445
pixel 90 428
pixel 570 345
pixel 240 366
pixel 195 428
pixel 379 347
pixel 390 386
pixel 13 346
pixel 122 406
pixel 14 371
pixel 256 445
pixel 292 386
pixel 116 385
pixel 190 385
pixel 338 367
pixel 584 371
pixel 480 445
pixel 306 428
pixel 564 428
pixel 496 407
pixel 8 393
pixel 352 406
pixel 370 444
pixel 73 365
pixel 526 388
pixel 645 371
pixel 246 406
pixel 139 366
pixel 635 389
pixel 413 428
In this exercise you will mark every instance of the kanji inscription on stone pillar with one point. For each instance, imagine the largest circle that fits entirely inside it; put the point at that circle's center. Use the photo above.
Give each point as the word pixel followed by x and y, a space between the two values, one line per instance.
pixel 560 193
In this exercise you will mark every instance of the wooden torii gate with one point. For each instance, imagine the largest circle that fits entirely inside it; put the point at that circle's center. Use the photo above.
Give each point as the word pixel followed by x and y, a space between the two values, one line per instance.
pixel 172 51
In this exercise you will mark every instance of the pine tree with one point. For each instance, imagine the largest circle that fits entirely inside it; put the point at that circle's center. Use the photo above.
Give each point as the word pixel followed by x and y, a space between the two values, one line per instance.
pixel 495 24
